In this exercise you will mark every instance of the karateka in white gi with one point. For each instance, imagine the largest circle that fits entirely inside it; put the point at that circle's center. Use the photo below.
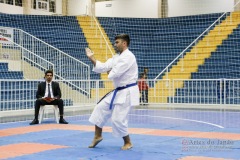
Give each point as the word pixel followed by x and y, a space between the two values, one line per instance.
pixel 122 69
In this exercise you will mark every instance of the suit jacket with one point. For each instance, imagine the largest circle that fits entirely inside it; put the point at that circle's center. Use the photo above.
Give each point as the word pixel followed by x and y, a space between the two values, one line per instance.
pixel 55 89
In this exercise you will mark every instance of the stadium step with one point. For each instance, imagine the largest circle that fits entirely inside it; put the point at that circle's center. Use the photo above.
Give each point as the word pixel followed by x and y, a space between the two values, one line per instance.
pixel 196 57
pixel 95 41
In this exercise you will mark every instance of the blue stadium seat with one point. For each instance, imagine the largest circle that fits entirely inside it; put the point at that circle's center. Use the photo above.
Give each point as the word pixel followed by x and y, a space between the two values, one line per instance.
pixel 3 67
pixel 11 75
pixel 163 39
pixel 62 32
pixel 157 40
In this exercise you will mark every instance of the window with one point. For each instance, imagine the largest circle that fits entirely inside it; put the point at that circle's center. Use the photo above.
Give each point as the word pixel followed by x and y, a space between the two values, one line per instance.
pixel 52 6
pixel 12 2
pixel 43 5
pixel 9 2
pixel 18 2
pixel 47 5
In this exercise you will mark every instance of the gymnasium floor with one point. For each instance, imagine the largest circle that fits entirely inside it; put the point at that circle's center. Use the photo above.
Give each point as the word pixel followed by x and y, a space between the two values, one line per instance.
pixel 156 135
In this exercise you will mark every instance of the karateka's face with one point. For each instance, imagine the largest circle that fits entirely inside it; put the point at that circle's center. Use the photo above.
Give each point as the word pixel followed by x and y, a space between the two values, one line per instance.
pixel 119 45
pixel 48 77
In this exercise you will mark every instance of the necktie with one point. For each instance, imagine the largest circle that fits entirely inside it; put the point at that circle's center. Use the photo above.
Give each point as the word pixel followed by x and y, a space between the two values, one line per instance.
pixel 49 93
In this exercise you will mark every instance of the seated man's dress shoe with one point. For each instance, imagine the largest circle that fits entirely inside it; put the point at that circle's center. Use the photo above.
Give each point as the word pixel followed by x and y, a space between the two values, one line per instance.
pixel 35 121
pixel 62 121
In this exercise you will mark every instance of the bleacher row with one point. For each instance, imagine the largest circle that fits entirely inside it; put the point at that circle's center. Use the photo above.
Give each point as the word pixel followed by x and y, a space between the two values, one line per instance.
pixel 62 32
pixel 213 92
pixel 224 62
pixel 152 40
pixel 6 74
pixel 9 93
pixel 155 42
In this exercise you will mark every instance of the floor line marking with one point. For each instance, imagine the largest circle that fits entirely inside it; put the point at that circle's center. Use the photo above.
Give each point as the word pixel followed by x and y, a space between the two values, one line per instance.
pixel 184 119
pixel 142 131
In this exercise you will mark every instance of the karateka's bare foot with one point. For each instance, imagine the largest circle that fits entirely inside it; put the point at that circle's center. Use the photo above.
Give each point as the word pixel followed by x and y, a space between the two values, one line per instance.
pixel 95 142
pixel 127 146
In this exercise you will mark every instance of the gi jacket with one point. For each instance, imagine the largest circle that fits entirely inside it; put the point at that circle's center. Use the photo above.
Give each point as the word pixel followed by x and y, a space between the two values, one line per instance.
pixel 124 71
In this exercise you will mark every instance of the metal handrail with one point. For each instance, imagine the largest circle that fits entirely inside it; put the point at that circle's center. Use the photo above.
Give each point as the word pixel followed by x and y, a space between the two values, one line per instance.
pixel 94 18
pixel 39 65
pixel 42 58
pixel 170 64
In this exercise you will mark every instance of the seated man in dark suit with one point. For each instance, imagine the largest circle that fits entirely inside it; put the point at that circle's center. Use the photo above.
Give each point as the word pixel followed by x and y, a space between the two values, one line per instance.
pixel 48 93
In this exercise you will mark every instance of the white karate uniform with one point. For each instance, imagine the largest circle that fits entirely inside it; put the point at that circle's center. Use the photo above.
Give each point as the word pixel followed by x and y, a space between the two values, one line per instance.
pixel 124 71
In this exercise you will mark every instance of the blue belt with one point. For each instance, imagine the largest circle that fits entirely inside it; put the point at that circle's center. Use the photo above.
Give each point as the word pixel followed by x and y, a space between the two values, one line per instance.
pixel 118 89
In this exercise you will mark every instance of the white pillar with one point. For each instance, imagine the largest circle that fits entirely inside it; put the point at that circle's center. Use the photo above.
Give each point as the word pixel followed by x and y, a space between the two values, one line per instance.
pixel 64 7
pixel 162 8
pixel 26 6
pixel 91 8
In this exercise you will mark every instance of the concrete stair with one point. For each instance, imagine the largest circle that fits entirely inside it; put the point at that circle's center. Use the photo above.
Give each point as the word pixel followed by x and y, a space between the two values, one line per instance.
pixel 97 44
pixel 196 57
